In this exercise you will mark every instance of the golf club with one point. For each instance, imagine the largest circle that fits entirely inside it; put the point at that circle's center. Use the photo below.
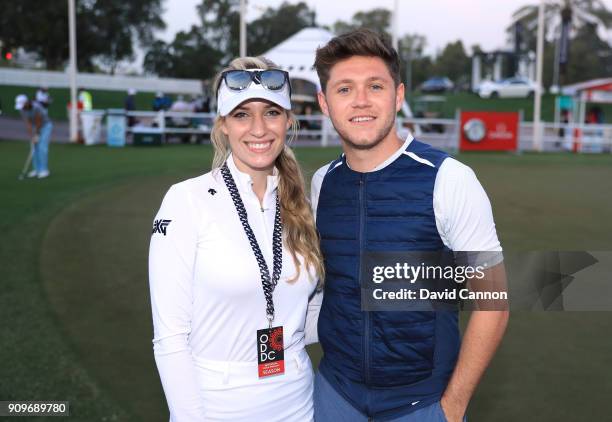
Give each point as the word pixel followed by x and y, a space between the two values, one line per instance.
pixel 28 161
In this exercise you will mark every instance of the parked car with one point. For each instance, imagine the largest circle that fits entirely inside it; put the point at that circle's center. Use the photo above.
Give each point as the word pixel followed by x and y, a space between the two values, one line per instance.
pixel 507 88
pixel 437 84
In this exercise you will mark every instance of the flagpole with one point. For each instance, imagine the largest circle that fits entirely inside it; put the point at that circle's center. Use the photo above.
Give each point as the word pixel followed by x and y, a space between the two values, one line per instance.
pixel 395 25
pixel 243 11
pixel 72 70
pixel 537 102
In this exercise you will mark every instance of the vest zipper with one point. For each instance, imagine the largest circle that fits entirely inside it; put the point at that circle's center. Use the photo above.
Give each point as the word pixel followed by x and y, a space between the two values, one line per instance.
pixel 366 330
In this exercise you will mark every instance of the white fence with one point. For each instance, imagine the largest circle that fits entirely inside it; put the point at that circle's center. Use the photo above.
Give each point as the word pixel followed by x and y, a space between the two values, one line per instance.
pixel 37 78
pixel 317 130
pixel 586 138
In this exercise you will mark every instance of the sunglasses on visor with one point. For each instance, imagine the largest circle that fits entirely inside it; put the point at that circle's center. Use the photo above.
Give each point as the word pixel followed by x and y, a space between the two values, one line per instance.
pixel 272 79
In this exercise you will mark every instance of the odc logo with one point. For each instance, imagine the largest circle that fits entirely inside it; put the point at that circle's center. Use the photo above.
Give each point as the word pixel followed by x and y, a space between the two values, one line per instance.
pixel 474 130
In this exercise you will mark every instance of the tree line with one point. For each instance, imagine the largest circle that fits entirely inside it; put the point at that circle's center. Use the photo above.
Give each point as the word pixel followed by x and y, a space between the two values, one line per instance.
pixel 109 31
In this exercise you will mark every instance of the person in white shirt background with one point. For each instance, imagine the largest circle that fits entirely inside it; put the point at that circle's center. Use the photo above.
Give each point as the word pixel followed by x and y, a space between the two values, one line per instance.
pixel 43 97
pixel 234 258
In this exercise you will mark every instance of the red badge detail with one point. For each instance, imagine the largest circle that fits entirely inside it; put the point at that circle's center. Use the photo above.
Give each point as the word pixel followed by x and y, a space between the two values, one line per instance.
pixel 276 339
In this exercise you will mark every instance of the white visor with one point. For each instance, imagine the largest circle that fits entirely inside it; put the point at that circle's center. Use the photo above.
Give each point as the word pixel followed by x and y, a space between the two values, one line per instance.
pixel 20 101
pixel 227 100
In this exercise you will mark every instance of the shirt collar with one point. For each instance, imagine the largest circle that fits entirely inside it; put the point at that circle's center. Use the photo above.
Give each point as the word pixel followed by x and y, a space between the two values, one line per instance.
pixel 396 154
pixel 244 182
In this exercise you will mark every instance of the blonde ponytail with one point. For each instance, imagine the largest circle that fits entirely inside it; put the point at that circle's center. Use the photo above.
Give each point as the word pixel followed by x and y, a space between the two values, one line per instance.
pixel 301 234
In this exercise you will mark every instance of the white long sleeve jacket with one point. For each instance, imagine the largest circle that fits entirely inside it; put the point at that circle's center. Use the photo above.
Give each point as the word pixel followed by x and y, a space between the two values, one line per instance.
pixel 206 294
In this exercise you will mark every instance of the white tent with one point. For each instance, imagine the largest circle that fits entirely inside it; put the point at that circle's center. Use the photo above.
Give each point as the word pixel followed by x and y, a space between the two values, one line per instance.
pixel 297 53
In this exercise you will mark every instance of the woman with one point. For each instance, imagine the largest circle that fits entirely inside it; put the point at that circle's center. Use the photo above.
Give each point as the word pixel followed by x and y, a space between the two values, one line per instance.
pixel 234 258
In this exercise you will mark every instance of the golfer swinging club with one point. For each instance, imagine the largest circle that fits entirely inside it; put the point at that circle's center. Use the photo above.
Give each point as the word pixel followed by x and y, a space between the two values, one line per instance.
pixel 39 128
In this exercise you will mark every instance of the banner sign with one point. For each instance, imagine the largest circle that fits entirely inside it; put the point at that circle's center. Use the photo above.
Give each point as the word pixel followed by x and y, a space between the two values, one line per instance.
pixel 115 128
pixel 489 131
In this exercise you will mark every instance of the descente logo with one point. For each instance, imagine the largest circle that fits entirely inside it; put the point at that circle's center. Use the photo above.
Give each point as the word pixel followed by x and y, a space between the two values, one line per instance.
pixel 160 226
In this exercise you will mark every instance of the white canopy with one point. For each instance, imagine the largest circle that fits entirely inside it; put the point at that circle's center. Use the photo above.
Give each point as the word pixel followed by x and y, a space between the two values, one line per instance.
pixel 297 53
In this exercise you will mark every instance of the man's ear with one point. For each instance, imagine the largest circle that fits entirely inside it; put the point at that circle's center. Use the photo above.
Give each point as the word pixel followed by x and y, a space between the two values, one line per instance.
pixel 323 103
pixel 399 97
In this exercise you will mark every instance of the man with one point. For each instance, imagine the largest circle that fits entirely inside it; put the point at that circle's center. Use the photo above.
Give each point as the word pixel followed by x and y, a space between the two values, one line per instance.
pixel 388 194
pixel 42 97
pixel 86 99
pixel 158 102
pixel 39 128
pixel 181 106
pixel 129 104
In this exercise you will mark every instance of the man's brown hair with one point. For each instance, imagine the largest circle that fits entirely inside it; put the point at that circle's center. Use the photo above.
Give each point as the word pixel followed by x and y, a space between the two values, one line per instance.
pixel 359 42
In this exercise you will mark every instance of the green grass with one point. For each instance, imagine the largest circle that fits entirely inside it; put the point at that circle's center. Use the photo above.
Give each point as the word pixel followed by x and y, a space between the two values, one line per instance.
pixel 74 302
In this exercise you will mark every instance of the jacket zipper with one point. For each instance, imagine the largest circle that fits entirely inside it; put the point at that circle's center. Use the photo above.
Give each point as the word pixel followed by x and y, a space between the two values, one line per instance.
pixel 366 330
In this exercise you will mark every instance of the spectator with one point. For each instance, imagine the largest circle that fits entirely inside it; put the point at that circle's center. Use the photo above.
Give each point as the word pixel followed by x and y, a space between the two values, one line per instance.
pixel 206 104
pixel 197 106
pixel 197 103
pixel 595 115
pixel 130 105
pixel 85 103
pixel 43 97
pixel 307 112
pixel 167 102
pixel 86 99
pixel 565 118
pixel 181 106
pixel 159 102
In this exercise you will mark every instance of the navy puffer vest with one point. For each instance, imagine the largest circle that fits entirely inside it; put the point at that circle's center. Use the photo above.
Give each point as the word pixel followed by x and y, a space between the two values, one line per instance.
pixel 384 363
